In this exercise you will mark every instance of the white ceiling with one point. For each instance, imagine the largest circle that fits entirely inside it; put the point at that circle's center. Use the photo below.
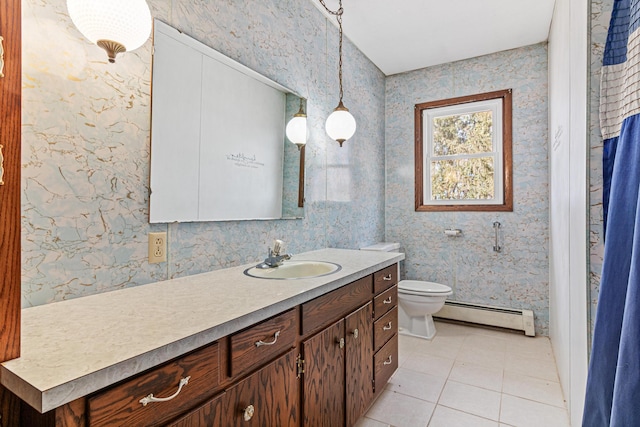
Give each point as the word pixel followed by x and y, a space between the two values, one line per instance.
pixel 404 35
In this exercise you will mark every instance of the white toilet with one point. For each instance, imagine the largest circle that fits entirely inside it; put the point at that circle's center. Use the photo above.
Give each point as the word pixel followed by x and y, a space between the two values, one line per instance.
pixel 417 300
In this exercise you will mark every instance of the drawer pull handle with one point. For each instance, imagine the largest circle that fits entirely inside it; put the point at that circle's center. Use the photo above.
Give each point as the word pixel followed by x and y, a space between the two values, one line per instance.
pixel 275 339
pixel 1 57
pixel 388 361
pixel 248 412
pixel 387 277
pixel 340 342
pixel 149 399
pixel 1 166
pixel 356 333
pixel 387 301
pixel 387 327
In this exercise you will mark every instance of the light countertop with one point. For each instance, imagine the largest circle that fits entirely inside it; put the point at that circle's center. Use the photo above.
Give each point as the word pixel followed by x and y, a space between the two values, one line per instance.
pixel 72 348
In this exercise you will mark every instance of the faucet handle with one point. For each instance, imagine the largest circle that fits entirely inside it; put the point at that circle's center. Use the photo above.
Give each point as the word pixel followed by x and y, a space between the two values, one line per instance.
pixel 277 247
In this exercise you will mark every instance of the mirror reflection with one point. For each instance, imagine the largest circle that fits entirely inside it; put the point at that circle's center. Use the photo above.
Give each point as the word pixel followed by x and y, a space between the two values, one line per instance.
pixel 218 145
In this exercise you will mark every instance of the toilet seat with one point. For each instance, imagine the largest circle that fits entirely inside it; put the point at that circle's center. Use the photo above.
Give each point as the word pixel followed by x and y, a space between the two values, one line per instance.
pixel 425 294
pixel 418 287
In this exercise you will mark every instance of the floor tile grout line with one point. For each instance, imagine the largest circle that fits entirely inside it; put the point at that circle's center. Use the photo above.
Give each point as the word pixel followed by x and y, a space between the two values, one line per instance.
pixel 440 394
pixel 468 413
pixel 501 398
pixel 408 395
pixel 534 401
pixel 473 385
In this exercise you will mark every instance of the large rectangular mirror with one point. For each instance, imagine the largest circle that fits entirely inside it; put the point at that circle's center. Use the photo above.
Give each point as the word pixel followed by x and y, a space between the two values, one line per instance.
pixel 218 146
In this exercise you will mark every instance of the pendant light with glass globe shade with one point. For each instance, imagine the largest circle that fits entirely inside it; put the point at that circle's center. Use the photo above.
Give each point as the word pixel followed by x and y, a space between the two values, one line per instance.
pixel 115 25
pixel 296 129
pixel 340 124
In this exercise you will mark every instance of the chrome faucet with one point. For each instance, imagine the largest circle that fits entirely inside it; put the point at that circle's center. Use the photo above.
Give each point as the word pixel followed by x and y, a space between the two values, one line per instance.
pixel 274 259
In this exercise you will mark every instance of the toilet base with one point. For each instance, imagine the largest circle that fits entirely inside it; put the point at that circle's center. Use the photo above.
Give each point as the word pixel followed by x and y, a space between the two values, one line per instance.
pixel 419 327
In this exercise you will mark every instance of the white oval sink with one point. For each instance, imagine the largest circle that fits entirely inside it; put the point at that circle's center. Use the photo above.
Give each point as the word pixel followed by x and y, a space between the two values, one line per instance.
pixel 294 270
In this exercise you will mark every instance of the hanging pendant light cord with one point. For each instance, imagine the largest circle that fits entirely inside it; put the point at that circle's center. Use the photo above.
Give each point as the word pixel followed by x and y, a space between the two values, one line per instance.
pixel 338 15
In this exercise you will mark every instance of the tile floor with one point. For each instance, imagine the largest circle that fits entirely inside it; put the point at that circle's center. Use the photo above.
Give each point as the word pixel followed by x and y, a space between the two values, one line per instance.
pixel 469 376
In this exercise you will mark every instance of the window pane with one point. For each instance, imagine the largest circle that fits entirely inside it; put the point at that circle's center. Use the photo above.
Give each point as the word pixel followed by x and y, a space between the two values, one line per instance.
pixel 462 179
pixel 462 134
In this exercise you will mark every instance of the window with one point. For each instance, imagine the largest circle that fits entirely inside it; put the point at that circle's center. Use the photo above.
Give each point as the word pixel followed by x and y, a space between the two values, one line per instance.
pixel 463 154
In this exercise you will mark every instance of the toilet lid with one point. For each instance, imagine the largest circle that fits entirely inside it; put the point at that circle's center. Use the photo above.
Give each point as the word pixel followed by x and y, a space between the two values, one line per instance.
pixel 419 286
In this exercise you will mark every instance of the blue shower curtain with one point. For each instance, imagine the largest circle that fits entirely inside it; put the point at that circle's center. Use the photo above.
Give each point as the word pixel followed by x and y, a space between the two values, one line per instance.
pixel 613 384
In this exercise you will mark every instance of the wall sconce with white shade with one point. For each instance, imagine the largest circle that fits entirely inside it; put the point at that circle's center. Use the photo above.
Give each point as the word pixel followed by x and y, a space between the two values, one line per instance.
pixel 340 125
pixel 296 129
pixel 115 25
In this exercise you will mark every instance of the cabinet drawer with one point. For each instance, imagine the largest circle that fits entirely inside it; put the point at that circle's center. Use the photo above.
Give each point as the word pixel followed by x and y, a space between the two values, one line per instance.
pixel 384 328
pixel 329 307
pixel 385 302
pixel 386 363
pixel 261 342
pixel 120 405
pixel 385 278
pixel 269 397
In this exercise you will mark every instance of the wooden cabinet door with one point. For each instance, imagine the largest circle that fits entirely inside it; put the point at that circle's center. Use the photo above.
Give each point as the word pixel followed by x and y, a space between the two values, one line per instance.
pixel 323 385
pixel 10 138
pixel 208 414
pixel 359 362
pixel 269 397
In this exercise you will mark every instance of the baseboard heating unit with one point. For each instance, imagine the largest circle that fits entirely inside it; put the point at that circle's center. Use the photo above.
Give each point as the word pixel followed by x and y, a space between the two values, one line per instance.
pixel 521 320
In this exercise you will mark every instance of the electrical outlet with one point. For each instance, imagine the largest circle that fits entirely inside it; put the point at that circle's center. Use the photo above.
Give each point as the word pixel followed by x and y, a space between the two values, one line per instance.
pixel 157 247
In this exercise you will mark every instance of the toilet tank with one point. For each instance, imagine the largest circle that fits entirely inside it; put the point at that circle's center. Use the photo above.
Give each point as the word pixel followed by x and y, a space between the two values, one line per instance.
pixel 386 247
pixel 383 247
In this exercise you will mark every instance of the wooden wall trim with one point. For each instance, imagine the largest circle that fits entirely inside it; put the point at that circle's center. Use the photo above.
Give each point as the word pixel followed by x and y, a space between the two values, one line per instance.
pixel 10 139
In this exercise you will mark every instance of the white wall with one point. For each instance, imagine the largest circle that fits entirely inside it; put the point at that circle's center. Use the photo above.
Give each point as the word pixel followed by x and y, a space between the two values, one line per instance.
pixel 568 166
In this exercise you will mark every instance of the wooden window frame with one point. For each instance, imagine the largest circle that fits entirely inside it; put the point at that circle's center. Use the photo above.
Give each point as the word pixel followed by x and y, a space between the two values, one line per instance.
pixel 507 154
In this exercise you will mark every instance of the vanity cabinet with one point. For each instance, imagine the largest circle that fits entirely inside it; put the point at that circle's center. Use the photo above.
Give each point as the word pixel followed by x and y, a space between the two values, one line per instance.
pixel 320 363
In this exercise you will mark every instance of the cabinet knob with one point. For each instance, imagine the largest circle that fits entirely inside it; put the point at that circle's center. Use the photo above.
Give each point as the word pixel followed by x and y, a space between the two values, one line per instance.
pixel 355 333
pixel 248 412
pixel 340 342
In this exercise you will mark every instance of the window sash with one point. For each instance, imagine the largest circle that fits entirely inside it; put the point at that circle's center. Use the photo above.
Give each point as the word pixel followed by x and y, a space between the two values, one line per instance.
pixel 493 105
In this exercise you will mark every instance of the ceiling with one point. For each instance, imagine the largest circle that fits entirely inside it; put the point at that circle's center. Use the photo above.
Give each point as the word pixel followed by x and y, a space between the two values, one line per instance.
pixel 404 35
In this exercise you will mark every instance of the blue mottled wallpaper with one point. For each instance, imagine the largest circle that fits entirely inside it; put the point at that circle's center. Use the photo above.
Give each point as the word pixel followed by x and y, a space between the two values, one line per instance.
pixel 86 147
pixel 517 277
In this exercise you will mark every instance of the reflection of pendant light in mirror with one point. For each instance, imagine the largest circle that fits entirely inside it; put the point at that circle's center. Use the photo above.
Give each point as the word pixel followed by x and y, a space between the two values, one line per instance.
pixel 340 124
pixel 114 25
pixel 297 127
